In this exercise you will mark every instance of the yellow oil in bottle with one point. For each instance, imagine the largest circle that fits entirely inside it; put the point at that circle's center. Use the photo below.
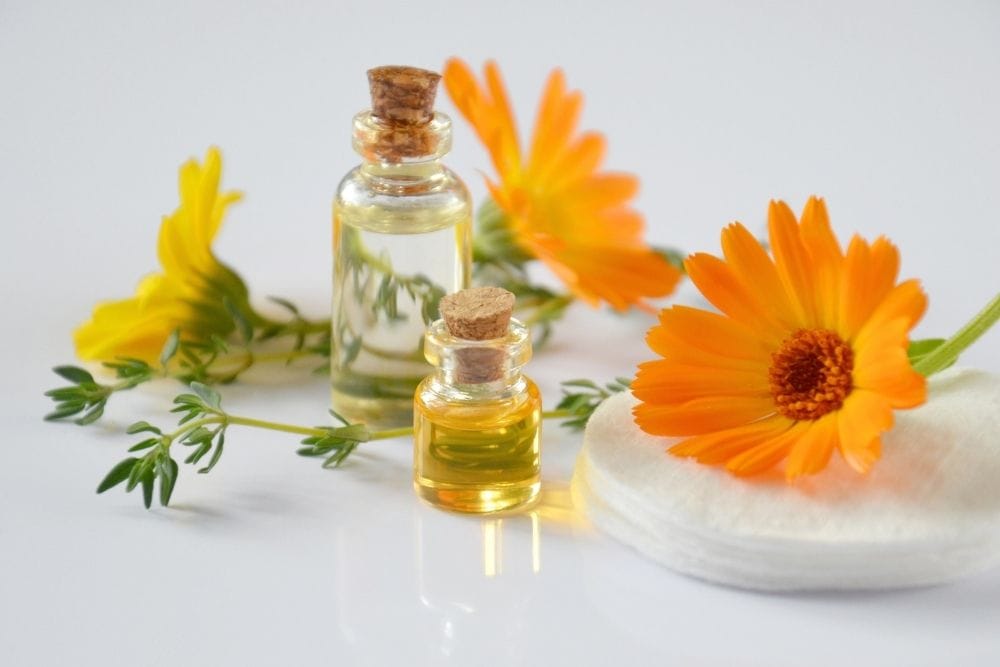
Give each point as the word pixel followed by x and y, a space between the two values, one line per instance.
pixel 478 455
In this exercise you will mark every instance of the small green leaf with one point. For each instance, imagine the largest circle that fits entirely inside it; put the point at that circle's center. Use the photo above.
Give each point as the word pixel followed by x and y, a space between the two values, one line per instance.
pixel 145 444
pixel 674 256
pixel 243 326
pixel 588 384
pixel 351 351
pixel 93 414
pixel 923 347
pixel 217 454
pixel 67 393
pixel 141 426
pixel 919 349
pixel 207 394
pixel 197 436
pixel 147 487
pixel 135 475
pixel 168 478
pixel 285 303
pixel 117 475
pixel 186 399
pixel 65 410
pixel 197 454
pixel 354 432
pixel 74 374
pixel 188 417
pixel 170 347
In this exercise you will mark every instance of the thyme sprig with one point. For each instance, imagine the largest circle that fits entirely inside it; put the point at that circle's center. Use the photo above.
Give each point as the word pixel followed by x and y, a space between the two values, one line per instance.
pixel 203 425
pixel 213 361
pixel 579 406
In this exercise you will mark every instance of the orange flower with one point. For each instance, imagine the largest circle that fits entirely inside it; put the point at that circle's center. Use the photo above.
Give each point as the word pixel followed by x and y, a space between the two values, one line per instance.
pixel 560 208
pixel 807 356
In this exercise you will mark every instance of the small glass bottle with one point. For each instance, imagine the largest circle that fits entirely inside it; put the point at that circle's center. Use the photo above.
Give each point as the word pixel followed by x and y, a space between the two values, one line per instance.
pixel 477 418
pixel 401 240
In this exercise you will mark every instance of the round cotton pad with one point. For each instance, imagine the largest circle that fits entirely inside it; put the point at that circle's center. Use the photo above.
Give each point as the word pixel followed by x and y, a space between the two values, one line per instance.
pixel 929 512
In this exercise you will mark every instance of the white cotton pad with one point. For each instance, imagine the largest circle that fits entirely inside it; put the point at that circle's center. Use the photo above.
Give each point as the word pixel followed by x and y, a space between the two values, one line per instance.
pixel 928 513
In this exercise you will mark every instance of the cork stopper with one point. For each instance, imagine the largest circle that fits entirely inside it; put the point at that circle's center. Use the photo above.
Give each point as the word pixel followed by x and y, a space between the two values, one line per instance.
pixel 403 95
pixel 478 314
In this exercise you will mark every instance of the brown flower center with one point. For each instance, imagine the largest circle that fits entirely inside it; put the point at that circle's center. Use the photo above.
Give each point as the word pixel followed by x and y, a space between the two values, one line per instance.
pixel 810 374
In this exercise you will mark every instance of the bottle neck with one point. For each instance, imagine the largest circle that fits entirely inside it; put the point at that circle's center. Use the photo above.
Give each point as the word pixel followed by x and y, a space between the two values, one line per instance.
pixel 403 177
pixel 451 384
pixel 397 144
pixel 477 369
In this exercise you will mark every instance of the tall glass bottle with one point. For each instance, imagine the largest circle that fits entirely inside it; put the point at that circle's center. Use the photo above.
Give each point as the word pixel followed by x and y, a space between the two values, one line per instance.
pixel 401 241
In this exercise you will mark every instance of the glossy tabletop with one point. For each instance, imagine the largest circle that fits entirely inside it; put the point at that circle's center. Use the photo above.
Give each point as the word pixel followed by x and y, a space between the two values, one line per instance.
pixel 888 110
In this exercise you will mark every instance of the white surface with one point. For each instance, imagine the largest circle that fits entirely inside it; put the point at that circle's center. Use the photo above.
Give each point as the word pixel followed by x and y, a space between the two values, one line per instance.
pixel 929 512
pixel 887 109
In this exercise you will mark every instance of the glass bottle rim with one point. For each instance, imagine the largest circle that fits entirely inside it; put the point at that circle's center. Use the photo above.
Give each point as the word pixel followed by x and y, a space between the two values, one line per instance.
pixel 372 139
pixel 440 347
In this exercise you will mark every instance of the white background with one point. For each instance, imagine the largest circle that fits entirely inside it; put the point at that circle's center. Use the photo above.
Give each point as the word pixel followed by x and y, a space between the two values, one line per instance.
pixel 890 110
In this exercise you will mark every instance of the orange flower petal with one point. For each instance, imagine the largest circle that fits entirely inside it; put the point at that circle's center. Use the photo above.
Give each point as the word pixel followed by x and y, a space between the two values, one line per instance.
pixel 682 327
pixel 578 161
pixel 869 274
pixel 720 446
pixel 619 277
pixel 701 415
pixel 563 211
pixel 793 262
pixel 602 191
pixel 724 289
pixel 811 451
pixel 827 261
pixel 755 269
pixel 906 300
pixel 767 454
pixel 863 417
pixel 490 117
pixel 667 380
pixel 813 305
pixel 882 365
pixel 558 114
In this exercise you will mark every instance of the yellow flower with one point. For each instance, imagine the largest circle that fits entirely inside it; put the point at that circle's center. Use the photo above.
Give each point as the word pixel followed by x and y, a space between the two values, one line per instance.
pixel 190 294
pixel 808 354
pixel 561 209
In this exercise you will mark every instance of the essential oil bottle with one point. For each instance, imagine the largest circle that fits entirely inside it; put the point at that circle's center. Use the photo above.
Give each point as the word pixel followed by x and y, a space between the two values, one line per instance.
pixel 477 418
pixel 401 241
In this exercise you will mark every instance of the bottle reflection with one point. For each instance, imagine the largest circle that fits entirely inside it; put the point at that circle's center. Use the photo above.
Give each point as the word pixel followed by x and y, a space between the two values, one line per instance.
pixel 492 543
pixel 450 585
pixel 475 573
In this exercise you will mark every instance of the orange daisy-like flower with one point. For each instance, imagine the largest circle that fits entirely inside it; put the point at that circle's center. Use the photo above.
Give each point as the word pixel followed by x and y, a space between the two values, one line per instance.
pixel 808 355
pixel 560 208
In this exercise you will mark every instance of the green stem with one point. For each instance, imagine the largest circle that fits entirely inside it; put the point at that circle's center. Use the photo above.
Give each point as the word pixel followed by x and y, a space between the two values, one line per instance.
pixel 392 433
pixel 949 350
pixel 306 430
pixel 274 426
pixel 190 426
pixel 268 357
pixel 294 327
